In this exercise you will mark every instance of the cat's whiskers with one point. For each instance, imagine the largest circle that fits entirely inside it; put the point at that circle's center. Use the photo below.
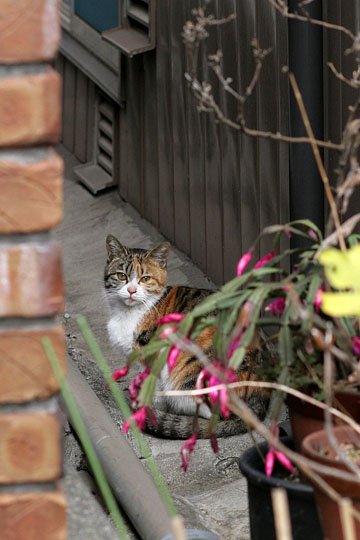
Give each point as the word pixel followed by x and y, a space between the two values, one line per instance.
pixel 149 305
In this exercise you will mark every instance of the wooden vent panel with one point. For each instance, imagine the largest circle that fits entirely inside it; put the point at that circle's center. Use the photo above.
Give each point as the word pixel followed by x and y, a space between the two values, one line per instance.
pixel 138 10
pixel 105 137
pixel 99 174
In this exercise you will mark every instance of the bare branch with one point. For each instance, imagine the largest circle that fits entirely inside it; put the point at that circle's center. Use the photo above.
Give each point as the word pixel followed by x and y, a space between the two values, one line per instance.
pixel 346 229
pixel 346 189
pixel 282 8
pixel 193 34
pixel 354 82
pixel 269 386
pixel 207 103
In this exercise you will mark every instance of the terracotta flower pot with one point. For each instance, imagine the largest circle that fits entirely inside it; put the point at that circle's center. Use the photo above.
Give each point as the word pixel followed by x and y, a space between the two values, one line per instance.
pixel 306 418
pixel 317 447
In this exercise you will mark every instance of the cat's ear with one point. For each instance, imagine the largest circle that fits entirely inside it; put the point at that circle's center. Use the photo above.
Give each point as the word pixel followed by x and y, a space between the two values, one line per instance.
pixel 114 248
pixel 160 253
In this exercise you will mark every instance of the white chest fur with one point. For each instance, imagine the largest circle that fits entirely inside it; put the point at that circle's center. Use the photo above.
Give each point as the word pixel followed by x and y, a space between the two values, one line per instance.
pixel 122 328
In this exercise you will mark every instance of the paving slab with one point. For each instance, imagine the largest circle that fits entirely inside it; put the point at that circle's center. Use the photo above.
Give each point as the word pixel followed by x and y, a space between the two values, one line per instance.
pixel 87 519
pixel 212 494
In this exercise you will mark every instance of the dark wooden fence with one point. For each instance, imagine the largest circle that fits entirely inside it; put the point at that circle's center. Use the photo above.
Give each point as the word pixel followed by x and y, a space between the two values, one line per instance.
pixel 208 189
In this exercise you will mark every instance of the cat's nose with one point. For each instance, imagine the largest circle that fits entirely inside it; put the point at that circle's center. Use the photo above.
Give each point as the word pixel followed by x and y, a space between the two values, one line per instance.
pixel 132 290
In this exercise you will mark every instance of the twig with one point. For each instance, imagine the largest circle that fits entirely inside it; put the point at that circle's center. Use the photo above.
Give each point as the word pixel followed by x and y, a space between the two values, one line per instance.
pixel 193 34
pixel 282 8
pixel 347 522
pixel 346 189
pixel 177 525
pixel 318 160
pixel 346 229
pixel 266 385
pixel 350 82
pixel 203 94
pixel 281 514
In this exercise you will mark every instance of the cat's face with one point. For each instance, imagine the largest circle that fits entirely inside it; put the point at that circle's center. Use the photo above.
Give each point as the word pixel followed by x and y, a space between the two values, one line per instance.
pixel 135 276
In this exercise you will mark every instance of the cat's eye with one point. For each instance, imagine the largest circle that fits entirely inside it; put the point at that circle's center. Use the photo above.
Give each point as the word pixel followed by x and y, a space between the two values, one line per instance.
pixel 144 279
pixel 121 276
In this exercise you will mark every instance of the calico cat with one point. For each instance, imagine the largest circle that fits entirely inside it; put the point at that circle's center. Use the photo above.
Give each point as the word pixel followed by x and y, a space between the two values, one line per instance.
pixel 138 296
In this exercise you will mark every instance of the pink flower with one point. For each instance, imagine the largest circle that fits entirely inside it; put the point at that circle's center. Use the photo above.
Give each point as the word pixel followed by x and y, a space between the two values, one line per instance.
pixel 356 345
pixel 273 455
pixel 313 234
pixel 170 318
pixel 224 402
pixel 214 394
pixel 234 344
pixel 214 443
pixel 318 299
pixel 284 461
pixel 288 233
pixel 186 449
pixel 136 383
pixel 120 373
pixel 243 262
pixel 138 419
pixel 230 375
pixel 261 262
pixel 172 357
pixel 167 331
pixel 226 375
pixel 269 462
pixel 276 307
pixel 202 378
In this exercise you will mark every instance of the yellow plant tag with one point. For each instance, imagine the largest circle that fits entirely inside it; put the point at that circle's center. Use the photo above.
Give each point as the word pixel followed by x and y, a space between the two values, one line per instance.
pixel 342 270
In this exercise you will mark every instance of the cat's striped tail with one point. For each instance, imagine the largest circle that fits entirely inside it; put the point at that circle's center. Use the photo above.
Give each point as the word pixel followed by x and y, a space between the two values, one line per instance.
pixel 177 426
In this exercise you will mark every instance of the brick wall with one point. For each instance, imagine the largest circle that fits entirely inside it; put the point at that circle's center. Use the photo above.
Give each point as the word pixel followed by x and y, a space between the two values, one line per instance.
pixel 32 506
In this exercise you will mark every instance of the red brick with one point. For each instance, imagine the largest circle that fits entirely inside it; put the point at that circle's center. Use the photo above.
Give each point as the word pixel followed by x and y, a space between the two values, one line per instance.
pixel 30 108
pixel 25 372
pixel 33 516
pixel 39 186
pixel 29 31
pixel 31 282
pixel 30 447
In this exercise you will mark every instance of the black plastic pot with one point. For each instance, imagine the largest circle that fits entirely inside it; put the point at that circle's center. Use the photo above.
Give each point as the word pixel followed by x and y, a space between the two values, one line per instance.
pixel 303 512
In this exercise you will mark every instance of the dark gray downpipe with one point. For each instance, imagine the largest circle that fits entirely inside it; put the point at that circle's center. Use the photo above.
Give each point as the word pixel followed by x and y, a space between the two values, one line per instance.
pixel 306 62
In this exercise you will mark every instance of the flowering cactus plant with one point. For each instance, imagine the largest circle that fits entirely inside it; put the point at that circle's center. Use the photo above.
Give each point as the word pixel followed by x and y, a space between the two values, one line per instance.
pixel 283 304
pixel 276 304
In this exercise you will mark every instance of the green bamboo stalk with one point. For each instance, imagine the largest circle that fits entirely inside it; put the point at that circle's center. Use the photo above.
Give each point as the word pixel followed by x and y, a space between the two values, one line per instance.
pixel 81 430
pixel 126 412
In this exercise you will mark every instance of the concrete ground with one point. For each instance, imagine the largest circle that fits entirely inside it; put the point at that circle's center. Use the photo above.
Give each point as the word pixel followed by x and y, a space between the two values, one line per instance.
pixel 212 494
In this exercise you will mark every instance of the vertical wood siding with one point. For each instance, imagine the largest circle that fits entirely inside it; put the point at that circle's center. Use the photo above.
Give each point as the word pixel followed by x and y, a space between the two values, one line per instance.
pixel 78 110
pixel 208 189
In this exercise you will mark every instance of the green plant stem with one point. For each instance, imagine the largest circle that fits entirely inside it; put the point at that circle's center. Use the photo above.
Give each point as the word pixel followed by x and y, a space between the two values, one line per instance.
pixel 81 430
pixel 126 412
